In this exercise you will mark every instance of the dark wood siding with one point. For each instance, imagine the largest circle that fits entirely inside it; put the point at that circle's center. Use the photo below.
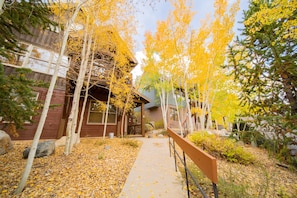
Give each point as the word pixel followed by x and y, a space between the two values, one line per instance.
pixel 91 130
pixel 42 38
pixel 45 78
pixel 95 130
pixel 51 127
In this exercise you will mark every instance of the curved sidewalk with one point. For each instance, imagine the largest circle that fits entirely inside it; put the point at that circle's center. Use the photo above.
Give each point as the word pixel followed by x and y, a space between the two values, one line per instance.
pixel 153 174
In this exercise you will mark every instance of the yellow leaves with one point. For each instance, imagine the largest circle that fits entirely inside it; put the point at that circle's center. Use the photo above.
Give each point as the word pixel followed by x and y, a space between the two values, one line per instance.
pixel 79 174
pixel 275 11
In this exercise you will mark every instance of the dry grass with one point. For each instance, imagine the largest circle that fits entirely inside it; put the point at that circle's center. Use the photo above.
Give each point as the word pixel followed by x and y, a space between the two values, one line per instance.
pixel 263 179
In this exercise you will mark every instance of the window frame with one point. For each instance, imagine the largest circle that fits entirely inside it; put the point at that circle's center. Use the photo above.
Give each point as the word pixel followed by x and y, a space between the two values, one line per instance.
pixel 103 115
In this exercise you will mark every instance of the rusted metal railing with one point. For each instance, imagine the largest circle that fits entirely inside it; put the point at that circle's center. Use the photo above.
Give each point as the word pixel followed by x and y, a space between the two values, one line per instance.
pixel 205 162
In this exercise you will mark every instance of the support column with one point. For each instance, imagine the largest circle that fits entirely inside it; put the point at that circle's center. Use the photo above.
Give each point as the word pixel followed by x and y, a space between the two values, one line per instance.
pixel 142 119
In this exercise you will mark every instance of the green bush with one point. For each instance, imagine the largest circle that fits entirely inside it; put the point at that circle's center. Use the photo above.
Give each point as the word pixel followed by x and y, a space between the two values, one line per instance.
pixel 159 124
pixel 221 147
pixel 163 132
pixel 130 142
pixel 100 142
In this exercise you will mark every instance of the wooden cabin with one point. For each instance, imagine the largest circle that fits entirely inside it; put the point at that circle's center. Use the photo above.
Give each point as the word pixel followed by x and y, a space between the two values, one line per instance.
pixel 40 57
pixel 98 92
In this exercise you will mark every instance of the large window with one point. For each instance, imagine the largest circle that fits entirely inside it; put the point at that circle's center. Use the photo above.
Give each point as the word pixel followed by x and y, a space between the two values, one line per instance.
pixel 97 113
pixel 37 59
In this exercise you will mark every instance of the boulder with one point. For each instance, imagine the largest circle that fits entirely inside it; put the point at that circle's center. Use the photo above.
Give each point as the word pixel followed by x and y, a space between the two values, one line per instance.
pixel 148 127
pixel 5 142
pixel 61 141
pixel 293 149
pixel 43 149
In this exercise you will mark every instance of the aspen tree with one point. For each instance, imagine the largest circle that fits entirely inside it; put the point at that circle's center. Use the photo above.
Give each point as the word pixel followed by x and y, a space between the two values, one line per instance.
pixel 107 19
pixel 208 54
pixel 190 58
pixel 47 102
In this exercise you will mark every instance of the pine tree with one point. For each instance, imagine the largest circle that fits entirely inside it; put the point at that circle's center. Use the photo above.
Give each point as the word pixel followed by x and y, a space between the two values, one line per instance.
pixel 263 61
pixel 16 103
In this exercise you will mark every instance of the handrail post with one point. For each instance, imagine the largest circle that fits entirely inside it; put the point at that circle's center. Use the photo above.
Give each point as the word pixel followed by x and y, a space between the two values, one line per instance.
pixel 186 172
pixel 215 190
pixel 174 152
pixel 169 143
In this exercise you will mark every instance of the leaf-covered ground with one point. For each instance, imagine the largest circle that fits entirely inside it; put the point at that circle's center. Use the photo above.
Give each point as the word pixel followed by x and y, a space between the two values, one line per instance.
pixel 95 168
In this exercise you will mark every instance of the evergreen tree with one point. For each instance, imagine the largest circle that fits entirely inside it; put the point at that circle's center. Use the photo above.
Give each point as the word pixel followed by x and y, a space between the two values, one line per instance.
pixel 19 16
pixel 16 103
pixel 263 61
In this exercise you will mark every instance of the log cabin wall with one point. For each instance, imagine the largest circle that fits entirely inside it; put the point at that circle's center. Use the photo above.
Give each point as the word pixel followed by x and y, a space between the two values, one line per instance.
pixel 43 38
pixel 53 120
pixel 48 42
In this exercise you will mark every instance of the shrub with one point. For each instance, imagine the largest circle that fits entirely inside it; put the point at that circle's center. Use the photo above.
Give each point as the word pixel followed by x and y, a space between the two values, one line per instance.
pixel 159 124
pixel 130 142
pixel 163 132
pixel 100 142
pixel 220 147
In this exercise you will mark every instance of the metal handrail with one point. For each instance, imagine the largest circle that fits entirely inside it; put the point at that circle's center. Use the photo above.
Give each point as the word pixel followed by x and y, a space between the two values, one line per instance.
pixel 203 161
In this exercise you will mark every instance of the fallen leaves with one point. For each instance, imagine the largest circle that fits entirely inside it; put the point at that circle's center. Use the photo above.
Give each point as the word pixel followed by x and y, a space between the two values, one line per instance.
pixel 95 168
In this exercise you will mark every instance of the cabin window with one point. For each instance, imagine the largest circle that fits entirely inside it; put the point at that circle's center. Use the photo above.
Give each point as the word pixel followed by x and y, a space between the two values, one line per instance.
pixel 37 59
pixel 97 113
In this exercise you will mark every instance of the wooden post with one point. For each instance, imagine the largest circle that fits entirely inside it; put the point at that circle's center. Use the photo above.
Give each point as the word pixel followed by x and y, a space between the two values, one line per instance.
pixel 142 119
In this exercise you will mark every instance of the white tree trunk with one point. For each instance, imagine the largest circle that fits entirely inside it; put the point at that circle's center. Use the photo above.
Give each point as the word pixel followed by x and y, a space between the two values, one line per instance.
pixel 108 101
pixel 85 101
pixel 178 113
pixel 72 119
pixel 164 106
pixel 189 114
pixel 46 104
pixel 124 112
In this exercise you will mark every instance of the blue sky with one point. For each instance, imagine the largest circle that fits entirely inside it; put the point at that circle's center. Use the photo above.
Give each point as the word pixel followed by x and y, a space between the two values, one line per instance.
pixel 148 17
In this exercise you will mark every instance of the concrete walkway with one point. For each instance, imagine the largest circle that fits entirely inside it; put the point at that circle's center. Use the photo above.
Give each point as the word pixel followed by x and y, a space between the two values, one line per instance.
pixel 153 174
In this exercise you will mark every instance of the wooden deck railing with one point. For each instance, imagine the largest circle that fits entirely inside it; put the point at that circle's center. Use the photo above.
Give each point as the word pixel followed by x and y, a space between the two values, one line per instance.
pixel 205 162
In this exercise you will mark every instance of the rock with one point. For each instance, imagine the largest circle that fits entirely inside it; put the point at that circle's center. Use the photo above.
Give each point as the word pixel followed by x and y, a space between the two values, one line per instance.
pixel 5 142
pixel 293 152
pixel 293 149
pixel 61 141
pixel 106 147
pixel 160 135
pixel 43 149
pixel 152 123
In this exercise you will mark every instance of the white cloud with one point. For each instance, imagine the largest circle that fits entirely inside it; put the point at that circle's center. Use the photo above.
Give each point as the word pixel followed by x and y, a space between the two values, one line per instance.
pixel 137 71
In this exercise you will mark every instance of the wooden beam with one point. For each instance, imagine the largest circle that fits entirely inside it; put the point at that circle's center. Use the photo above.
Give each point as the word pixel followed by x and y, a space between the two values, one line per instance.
pixel 203 160
pixel 142 119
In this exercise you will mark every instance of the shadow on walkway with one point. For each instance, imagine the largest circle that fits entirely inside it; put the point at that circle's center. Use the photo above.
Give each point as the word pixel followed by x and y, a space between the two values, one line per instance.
pixel 153 174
